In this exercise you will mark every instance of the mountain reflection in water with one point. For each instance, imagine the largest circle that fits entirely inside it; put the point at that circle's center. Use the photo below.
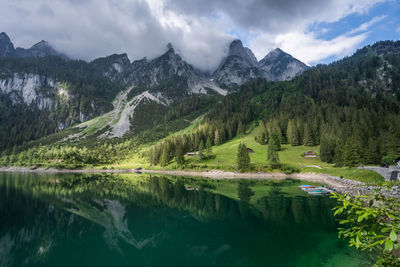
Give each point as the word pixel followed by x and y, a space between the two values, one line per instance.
pixel 125 220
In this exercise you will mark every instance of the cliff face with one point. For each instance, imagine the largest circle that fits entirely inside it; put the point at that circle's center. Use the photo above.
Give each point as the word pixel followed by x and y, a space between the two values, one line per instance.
pixel 26 88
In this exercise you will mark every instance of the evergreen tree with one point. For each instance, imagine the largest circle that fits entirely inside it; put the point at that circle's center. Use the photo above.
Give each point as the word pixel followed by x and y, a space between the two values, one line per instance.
pixel 180 156
pixel 326 149
pixel 308 136
pixel 208 148
pixel 274 142
pixel 262 134
pixel 350 155
pixel 217 138
pixel 240 129
pixel 372 153
pixel 292 133
pixel 164 159
pixel 273 147
pixel 14 156
pixel 201 150
pixel 243 158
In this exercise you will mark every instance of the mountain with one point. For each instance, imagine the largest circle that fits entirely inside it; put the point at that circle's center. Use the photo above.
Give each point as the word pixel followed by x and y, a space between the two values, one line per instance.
pixel 6 46
pixel 113 105
pixel 237 67
pixel 240 65
pixel 152 86
pixel 280 66
pixel 41 95
pixel 349 108
pixel 167 76
pixel 41 49
pixel 126 96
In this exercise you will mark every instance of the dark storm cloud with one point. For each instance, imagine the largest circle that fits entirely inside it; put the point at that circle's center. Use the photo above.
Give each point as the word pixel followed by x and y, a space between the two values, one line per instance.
pixel 271 15
pixel 200 30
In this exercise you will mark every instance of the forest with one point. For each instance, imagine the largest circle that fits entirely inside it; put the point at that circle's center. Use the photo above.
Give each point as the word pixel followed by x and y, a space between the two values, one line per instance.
pixel 348 108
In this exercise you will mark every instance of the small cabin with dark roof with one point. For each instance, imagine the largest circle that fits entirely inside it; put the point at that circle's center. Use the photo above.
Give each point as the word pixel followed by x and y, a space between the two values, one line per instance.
pixel 310 154
pixel 250 151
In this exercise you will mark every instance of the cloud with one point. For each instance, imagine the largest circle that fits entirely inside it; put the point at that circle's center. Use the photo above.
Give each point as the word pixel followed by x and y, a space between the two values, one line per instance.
pixel 367 25
pixel 306 47
pixel 273 16
pixel 200 29
pixel 90 29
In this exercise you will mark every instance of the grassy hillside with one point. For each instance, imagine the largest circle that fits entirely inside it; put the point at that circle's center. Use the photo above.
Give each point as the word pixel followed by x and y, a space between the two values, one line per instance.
pixel 225 159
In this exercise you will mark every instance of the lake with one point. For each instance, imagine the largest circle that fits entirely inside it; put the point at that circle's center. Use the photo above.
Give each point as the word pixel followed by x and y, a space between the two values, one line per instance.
pixel 142 220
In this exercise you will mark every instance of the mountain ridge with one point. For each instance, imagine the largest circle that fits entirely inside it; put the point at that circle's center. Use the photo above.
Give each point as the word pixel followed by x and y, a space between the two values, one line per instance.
pixel 40 49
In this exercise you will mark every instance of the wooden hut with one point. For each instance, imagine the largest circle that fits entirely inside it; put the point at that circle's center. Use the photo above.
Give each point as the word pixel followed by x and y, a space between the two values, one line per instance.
pixel 310 154
pixel 250 151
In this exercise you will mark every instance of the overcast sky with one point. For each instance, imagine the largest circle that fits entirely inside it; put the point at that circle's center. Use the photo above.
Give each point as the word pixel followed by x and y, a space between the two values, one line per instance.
pixel 313 31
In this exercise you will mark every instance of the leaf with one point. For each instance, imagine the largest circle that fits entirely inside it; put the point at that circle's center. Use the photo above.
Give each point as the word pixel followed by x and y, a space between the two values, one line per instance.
pixel 388 245
pixel 393 236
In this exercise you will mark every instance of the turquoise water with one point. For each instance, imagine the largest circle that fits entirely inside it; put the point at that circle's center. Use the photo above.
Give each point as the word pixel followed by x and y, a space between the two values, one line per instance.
pixel 140 220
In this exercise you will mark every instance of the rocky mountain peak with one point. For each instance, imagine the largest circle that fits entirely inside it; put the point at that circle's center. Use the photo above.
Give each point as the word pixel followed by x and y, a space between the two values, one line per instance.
pixel 278 65
pixel 274 54
pixel 236 49
pixel 41 44
pixel 4 36
pixel 40 49
pixel 6 46
pixel 239 66
pixel 170 47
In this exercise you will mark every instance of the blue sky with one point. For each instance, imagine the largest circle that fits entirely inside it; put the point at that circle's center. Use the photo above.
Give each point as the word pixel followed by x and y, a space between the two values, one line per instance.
pixel 386 27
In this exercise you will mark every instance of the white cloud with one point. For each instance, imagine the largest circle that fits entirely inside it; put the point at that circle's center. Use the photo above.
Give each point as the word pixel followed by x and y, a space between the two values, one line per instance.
pixel 365 26
pixel 305 46
pixel 199 29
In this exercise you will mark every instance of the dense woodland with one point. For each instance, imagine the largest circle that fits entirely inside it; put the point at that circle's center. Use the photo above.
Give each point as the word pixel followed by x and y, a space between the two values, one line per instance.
pixel 350 108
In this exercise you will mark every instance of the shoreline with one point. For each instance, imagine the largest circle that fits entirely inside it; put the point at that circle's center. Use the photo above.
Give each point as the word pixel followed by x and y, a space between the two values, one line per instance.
pixel 341 185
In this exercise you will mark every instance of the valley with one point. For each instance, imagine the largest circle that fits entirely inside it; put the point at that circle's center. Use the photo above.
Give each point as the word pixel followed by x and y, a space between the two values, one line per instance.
pixel 262 125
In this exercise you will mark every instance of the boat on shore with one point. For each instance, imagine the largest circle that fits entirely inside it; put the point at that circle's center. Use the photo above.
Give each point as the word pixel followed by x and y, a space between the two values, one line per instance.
pixel 315 191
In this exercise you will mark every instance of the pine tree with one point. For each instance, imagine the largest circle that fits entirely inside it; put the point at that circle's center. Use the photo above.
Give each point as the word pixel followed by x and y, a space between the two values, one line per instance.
pixel 273 158
pixel 292 133
pixel 273 147
pixel 180 156
pixel 308 137
pixel 208 148
pixel 201 150
pixel 217 138
pixel 350 154
pixel 240 129
pixel 274 142
pixel 164 159
pixel 262 134
pixel 326 149
pixel 14 156
pixel 372 153
pixel 243 158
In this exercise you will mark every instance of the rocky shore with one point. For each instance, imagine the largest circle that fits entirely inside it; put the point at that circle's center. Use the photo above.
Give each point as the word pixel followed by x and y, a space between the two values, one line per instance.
pixel 341 185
